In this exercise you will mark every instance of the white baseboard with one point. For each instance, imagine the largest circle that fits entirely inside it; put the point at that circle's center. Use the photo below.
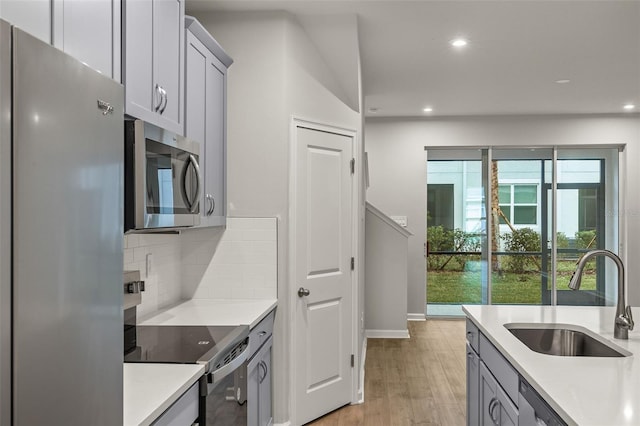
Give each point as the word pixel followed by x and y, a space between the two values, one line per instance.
pixel 288 423
pixel 416 317
pixel 387 334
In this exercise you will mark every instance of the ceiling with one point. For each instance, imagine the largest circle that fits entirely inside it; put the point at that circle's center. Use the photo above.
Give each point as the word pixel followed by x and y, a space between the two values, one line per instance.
pixel 517 50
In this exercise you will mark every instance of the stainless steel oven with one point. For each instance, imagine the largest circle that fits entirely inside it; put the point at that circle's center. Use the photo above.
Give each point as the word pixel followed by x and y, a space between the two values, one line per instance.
pixel 223 350
pixel 162 178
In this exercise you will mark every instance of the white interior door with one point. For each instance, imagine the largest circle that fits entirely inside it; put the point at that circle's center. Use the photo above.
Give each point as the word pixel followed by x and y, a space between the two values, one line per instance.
pixel 323 234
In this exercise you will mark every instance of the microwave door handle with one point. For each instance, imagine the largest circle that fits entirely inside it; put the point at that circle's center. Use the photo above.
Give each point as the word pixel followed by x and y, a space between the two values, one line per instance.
pixel 194 163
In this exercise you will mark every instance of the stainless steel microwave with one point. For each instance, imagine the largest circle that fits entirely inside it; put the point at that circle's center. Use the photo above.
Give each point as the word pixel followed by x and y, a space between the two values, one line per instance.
pixel 162 179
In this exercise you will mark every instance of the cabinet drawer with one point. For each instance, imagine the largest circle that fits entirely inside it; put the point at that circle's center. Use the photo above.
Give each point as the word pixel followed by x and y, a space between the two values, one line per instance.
pixel 472 335
pixel 261 333
pixel 500 368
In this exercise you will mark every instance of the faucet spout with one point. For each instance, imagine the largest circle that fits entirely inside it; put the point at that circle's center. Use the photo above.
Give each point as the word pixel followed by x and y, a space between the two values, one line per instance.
pixel 624 320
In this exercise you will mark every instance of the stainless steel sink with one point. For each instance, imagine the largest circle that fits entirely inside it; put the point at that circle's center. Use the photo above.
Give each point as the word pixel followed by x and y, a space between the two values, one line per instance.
pixel 564 340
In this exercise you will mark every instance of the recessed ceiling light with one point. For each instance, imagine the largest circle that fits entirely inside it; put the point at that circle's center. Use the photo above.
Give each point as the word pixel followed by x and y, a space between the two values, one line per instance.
pixel 427 109
pixel 563 81
pixel 459 42
pixel 629 107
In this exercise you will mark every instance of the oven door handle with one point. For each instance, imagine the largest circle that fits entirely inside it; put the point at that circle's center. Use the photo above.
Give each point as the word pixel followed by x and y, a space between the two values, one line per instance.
pixel 225 370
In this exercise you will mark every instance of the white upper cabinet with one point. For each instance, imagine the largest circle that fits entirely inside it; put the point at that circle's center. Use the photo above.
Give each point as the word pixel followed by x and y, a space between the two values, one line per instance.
pixel 205 116
pixel 153 68
pixel 87 30
pixel 90 32
pixel 32 16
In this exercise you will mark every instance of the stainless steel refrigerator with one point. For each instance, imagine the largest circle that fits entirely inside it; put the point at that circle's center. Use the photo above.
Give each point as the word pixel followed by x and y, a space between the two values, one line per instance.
pixel 61 236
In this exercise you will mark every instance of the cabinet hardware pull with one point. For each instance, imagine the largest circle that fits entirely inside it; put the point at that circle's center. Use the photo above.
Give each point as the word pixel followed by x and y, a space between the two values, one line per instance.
pixel 158 95
pixel 166 99
pixel 213 205
pixel 492 406
pixel 264 366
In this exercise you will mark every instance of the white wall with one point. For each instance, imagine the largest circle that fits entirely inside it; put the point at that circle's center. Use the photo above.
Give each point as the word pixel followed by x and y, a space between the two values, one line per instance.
pixel 277 74
pixel 386 276
pixel 398 169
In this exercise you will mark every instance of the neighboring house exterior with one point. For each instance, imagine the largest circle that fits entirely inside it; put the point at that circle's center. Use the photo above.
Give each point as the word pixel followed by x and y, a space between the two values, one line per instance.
pixel 455 196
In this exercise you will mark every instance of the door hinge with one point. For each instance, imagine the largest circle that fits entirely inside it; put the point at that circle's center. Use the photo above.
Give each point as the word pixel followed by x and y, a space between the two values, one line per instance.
pixel 353 360
pixel 353 263
pixel 353 165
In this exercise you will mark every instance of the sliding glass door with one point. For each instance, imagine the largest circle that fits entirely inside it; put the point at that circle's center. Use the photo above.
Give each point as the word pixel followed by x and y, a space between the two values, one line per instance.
pixel 506 226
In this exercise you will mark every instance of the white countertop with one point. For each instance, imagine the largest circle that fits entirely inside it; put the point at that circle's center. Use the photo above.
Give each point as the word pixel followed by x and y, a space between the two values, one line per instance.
pixel 149 389
pixel 213 312
pixel 582 390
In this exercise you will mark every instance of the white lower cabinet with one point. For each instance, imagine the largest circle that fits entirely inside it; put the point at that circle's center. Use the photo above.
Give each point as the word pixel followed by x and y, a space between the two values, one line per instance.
pixel 496 394
pixel 495 406
pixel 473 383
pixel 259 387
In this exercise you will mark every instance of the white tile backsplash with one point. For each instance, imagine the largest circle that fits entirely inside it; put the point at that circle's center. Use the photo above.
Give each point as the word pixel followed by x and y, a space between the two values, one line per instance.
pixel 236 262
pixel 240 262
pixel 162 286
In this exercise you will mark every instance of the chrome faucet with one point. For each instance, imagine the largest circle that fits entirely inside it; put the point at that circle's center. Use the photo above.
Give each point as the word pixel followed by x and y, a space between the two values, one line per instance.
pixel 624 319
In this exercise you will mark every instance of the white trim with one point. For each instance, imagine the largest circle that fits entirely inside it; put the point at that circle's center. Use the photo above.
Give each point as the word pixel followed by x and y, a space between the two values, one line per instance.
pixel 386 334
pixel 287 423
pixel 363 360
pixel 296 122
pixel 416 317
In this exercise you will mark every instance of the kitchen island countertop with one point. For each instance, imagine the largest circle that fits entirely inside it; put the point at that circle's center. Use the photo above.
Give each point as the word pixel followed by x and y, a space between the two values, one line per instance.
pixel 582 390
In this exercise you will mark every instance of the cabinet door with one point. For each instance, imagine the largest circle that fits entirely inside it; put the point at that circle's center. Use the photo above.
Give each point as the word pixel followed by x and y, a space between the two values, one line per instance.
pixel 205 122
pixel 215 149
pixel 138 59
pixel 253 387
pixel 32 16
pixel 473 391
pixel 196 88
pixel 508 413
pixel 168 39
pixel 90 32
pixel 489 416
pixel 496 409
pixel 264 390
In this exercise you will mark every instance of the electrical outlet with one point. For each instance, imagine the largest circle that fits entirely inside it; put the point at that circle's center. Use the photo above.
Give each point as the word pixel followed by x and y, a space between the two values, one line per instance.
pixel 149 264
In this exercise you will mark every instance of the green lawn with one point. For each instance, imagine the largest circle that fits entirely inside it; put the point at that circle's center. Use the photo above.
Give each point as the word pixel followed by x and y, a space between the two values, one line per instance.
pixel 450 286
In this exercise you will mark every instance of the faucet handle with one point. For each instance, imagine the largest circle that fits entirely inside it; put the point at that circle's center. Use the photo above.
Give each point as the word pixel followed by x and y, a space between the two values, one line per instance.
pixel 625 320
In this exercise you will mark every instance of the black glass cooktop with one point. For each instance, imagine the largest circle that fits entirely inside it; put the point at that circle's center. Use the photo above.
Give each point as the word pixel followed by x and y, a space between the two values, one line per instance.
pixel 181 344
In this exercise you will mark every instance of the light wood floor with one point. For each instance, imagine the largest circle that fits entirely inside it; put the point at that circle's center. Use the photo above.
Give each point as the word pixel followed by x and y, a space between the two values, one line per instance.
pixel 416 381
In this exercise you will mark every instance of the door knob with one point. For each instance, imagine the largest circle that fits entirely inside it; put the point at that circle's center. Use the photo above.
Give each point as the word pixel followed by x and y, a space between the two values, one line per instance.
pixel 303 292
